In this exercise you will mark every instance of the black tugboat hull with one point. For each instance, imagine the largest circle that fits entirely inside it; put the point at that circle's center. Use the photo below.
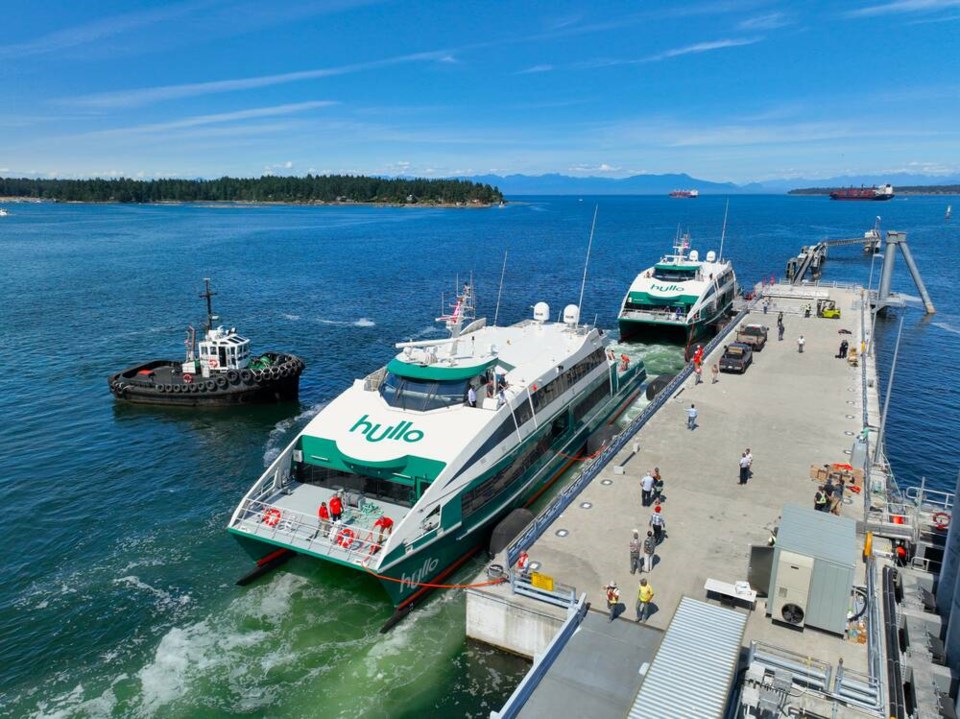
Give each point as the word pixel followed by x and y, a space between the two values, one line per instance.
pixel 159 382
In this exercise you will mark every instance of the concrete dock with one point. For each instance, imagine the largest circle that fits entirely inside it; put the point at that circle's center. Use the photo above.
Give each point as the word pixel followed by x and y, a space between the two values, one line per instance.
pixel 791 409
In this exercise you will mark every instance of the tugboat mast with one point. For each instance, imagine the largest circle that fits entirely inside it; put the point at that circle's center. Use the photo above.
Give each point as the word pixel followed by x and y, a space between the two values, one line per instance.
pixel 207 294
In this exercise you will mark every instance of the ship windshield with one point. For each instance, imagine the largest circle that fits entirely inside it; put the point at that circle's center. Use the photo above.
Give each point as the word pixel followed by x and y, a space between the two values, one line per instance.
pixel 674 274
pixel 422 395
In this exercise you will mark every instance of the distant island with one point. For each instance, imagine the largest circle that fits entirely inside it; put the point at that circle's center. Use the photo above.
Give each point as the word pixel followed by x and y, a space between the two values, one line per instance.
pixel 901 190
pixel 312 189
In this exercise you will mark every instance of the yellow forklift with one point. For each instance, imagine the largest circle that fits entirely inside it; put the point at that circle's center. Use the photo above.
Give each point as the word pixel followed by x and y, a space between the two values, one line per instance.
pixel 828 309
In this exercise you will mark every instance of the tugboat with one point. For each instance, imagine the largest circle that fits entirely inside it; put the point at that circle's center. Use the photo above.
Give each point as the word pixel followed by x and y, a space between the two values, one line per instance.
pixel 217 371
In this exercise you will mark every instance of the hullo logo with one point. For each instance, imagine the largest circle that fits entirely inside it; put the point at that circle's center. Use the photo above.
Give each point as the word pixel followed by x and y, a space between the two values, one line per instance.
pixel 666 288
pixel 401 431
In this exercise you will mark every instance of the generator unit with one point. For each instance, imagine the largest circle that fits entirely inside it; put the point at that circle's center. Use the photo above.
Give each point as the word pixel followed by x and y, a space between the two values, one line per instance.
pixel 814 561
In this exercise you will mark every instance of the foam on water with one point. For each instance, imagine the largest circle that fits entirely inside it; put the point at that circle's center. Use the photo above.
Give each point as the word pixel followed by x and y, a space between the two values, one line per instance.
pixel 279 436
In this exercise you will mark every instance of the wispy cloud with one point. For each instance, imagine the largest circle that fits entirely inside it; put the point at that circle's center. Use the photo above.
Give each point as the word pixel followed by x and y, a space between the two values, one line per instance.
pixel 95 32
pixel 535 69
pixel 770 21
pixel 702 47
pixel 218 118
pixel 602 168
pixel 150 95
pixel 904 6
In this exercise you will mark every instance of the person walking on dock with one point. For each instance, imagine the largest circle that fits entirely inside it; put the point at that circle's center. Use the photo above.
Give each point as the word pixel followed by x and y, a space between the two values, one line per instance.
pixel 613 600
pixel 698 372
pixel 657 485
pixel 658 523
pixel 800 343
pixel 646 489
pixel 780 332
pixel 649 549
pixel 715 371
pixel 692 417
pixel 744 468
pixel 635 548
pixel 644 595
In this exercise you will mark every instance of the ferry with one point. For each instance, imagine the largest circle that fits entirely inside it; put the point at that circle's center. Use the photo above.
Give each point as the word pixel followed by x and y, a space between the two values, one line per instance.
pixel 881 192
pixel 680 299
pixel 685 194
pixel 219 370
pixel 425 455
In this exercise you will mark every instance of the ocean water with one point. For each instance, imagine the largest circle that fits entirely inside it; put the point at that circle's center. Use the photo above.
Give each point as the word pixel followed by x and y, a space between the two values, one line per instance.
pixel 118 597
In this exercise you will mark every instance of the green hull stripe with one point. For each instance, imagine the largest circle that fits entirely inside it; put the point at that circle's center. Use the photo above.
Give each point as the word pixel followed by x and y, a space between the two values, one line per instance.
pixel 437 371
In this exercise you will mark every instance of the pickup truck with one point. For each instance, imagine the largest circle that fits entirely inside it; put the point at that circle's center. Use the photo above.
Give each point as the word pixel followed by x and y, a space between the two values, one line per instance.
pixel 753 335
pixel 736 358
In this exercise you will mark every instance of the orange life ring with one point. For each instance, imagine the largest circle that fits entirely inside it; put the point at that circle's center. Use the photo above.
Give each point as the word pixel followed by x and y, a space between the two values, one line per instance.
pixel 271 517
pixel 212 362
pixel 345 537
pixel 188 378
pixel 941 520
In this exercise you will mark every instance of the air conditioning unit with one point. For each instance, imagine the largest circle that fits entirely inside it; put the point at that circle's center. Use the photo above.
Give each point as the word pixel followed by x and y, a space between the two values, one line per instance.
pixel 792 586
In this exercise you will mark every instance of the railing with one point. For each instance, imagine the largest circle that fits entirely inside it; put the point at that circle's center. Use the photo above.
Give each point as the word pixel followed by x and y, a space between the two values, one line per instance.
pixel 562 595
pixel 571 491
pixel 371 383
pixel 543 662
pixel 261 519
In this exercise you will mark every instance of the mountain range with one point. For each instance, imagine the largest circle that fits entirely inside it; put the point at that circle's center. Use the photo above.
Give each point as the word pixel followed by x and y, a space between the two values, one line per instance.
pixel 556 184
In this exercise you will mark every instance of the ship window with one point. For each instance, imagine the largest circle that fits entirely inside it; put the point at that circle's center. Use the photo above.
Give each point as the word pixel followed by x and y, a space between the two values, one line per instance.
pixel 673 274
pixel 418 395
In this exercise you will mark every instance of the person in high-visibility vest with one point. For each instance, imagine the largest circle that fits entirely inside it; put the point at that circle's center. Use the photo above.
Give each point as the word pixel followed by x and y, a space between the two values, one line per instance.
pixel 644 595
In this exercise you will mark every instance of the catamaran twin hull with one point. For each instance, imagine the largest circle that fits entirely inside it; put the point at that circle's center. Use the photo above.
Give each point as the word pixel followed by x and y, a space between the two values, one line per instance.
pixel 411 514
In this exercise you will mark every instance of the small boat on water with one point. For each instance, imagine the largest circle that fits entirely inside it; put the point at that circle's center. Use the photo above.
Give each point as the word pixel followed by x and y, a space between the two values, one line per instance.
pixel 880 192
pixel 948 213
pixel 217 371
pixel 3 212
pixel 872 238
pixel 680 299
pixel 426 454
pixel 685 194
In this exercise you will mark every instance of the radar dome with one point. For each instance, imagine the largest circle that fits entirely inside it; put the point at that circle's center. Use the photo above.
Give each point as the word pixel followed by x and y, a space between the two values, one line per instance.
pixel 711 256
pixel 571 315
pixel 541 312
pixel 694 256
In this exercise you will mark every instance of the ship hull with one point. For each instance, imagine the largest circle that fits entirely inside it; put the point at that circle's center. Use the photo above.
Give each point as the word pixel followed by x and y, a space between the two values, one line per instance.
pixel 159 382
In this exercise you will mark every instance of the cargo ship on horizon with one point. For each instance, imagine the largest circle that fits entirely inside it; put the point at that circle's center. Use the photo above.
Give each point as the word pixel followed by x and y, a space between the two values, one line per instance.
pixel 878 192
pixel 686 194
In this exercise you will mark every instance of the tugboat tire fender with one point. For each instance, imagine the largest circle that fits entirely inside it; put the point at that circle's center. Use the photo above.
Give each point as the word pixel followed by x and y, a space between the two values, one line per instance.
pixel 222 382
pixel 161 388
pixel 194 388
pixel 210 385
pixel 284 371
pixel 232 376
pixel 168 388
pixel 246 375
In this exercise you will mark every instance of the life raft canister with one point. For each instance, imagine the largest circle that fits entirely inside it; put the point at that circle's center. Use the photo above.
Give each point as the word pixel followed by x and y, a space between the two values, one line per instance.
pixel 271 517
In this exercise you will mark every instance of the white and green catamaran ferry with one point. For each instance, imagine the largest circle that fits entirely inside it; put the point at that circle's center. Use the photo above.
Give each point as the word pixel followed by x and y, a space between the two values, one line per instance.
pixel 680 299
pixel 427 453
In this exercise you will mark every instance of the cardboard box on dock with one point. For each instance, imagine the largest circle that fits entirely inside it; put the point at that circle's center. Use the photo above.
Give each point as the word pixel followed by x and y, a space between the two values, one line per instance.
pixel 822 472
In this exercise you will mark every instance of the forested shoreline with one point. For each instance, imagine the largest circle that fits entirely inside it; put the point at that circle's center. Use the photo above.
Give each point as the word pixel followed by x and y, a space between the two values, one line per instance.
pixel 311 189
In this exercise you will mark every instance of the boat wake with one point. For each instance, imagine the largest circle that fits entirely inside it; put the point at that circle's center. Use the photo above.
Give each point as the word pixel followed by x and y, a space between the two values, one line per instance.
pixel 360 322
pixel 279 436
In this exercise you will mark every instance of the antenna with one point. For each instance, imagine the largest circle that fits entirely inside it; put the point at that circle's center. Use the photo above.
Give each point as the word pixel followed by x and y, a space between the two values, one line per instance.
pixel 208 294
pixel 723 233
pixel 593 226
pixel 503 271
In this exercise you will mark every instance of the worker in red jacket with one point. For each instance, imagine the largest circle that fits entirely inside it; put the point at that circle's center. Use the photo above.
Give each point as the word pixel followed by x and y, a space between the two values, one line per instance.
pixel 336 507
pixel 385 525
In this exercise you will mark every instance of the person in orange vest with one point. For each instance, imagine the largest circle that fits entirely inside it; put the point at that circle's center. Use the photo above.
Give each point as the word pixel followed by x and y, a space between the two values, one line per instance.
pixel 901 553
pixel 336 507
pixel 523 563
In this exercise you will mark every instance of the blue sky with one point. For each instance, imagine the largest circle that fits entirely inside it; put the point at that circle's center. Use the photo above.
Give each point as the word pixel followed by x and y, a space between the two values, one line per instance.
pixel 725 91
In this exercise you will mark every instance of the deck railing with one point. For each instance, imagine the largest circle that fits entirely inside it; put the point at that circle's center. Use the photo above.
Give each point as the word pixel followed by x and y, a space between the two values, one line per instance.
pixel 306 531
